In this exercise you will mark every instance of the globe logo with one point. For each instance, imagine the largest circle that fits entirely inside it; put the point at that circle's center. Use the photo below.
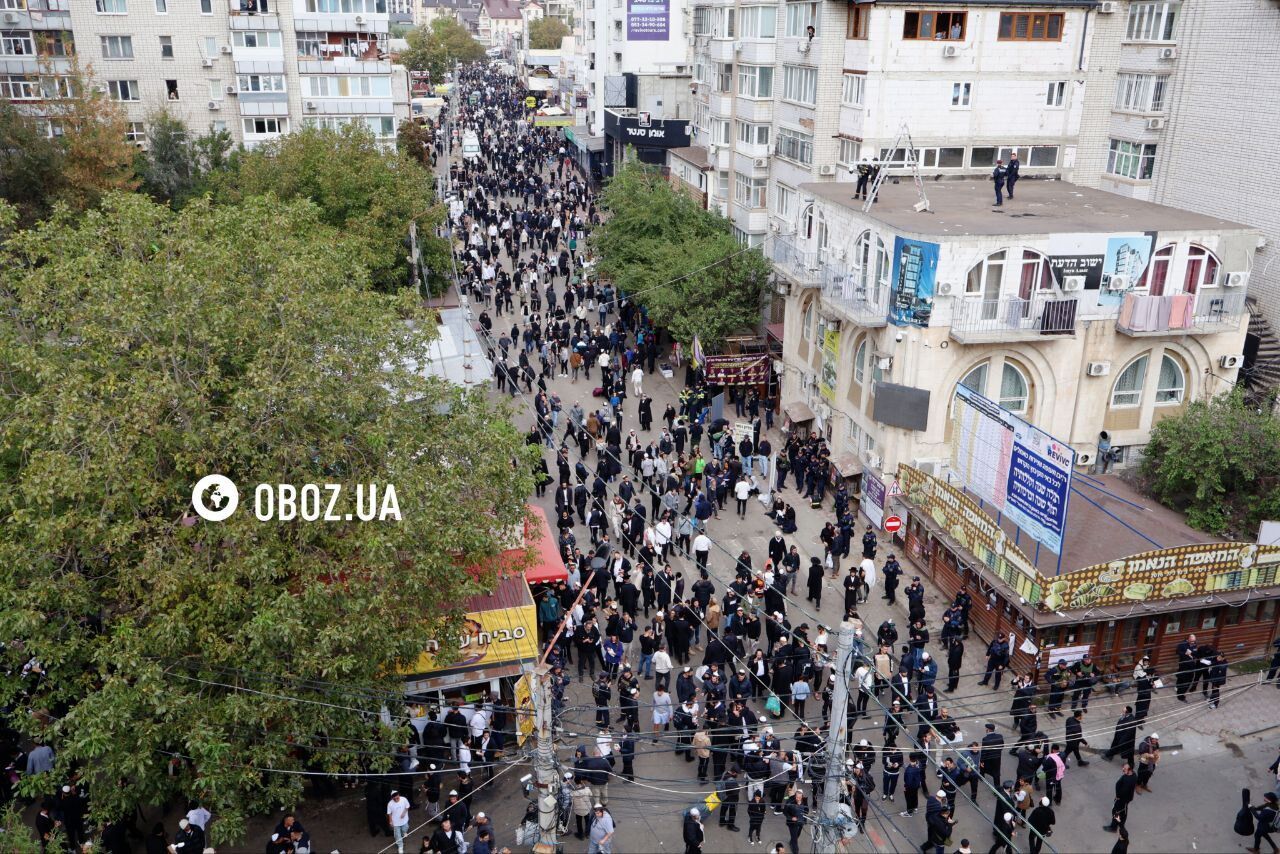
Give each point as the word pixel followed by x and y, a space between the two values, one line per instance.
pixel 215 497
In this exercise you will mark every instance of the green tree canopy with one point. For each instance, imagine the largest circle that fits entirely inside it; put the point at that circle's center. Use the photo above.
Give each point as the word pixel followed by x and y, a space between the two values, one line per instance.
pixel 654 235
pixel 436 48
pixel 1219 462
pixel 547 33
pixel 175 166
pixel 144 348
pixel 368 193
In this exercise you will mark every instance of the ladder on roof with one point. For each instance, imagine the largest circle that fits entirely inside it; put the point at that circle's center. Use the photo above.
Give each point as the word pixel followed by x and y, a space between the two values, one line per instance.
pixel 911 159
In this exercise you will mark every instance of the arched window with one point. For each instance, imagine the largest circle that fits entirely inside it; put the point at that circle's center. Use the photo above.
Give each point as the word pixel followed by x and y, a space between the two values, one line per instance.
pixel 1202 270
pixel 1128 388
pixel 1037 274
pixel 976 379
pixel 860 362
pixel 1172 386
pixel 871 266
pixel 806 331
pixel 1015 391
pixel 807 220
pixel 1156 274
pixel 984 277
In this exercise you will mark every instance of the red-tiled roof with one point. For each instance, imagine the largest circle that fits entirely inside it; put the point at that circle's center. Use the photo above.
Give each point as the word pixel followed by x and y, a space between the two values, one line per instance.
pixel 502 9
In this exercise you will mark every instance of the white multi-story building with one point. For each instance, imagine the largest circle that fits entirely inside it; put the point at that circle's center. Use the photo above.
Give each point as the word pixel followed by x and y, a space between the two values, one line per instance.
pixel 800 91
pixel 1050 315
pixel 257 68
pixel 1171 85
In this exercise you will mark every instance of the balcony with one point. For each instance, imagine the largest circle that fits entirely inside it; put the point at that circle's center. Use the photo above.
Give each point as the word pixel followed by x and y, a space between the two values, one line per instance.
pixel 799 265
pixel 987 321
pixel 1206 313
pixel 863 301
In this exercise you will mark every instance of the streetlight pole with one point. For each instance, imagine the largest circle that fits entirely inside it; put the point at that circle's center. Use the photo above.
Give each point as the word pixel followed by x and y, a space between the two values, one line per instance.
pixel 827 831
pixel 544 763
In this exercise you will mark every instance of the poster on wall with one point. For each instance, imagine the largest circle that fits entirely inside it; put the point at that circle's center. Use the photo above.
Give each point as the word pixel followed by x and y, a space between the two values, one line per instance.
pixel 1022 471
pixel 915 270
pixel 648 20
pixel 873 495
pixel 1078 255
pixel 830 362
pixel 1127 255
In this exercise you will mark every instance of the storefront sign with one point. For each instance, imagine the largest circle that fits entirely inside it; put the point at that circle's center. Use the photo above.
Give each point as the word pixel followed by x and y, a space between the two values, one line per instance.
pixel 752 369
pixel 489 638
pixel 658 133
pixel 1167 574
pixel 873 495
pixel 525 714
pixel 963 520
pixel 553 121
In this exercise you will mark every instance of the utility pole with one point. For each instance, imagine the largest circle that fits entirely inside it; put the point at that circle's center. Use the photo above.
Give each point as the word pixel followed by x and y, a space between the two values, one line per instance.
pixel 544 762
pixel 827 833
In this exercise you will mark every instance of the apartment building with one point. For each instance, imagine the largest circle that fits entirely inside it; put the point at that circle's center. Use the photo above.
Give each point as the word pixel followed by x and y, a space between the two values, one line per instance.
pixel 257 68
pixel 1052 315
pixel 1171 84
pixel 801 91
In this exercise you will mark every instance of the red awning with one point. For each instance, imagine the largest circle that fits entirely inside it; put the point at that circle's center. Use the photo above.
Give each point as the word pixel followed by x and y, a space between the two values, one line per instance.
pixel 774 330
pixel 547 567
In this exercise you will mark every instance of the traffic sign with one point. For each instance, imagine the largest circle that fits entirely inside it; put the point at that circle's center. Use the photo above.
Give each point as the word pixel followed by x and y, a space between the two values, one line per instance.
pixel 531 102
pixel 894 488
pixel 712 801
pixel 893 524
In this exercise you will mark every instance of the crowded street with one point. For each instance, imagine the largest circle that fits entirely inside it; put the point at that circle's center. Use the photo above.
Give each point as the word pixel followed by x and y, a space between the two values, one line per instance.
pixel 692 679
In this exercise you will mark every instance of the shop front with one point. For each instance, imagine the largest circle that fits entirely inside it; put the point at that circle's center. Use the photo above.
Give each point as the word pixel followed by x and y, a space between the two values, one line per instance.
pixel 649 137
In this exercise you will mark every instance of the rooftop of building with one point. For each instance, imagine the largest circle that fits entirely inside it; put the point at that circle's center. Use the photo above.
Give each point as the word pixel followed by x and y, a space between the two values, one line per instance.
pixel 695 154
pixel 1042 206
pixel 505 9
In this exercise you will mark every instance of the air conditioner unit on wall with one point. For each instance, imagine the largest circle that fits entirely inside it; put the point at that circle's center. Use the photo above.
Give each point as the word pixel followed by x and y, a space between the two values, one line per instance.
pixel 760 162
pixel 1155 124
pixel 10 18
pixel 1168 53
pixel 945 289
pixel 225 49
pixel 1073 283
pixel 1084 458
pixel 950 50
pixel 230 90
pixel 827 170
pixel 1098 369
pixel 1118 283
pixel 1231 362
pixel 1107 7
pixel 312 105
pixel 1237 280
pixel 207 62
pixel 215 105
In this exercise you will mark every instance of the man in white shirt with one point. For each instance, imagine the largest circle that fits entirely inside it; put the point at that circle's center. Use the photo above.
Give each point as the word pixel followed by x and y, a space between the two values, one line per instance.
pixel 701 549
pixel 742 491
pixel 637 381
pixel 199 816
pixel 398 818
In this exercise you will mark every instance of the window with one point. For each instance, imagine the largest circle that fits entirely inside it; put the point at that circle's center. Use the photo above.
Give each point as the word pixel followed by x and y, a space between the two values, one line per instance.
pixel 758 22
pixel 749 191
pixel 1056 94
pixel 124 90
pixel 1014 389
pixel 855 89
pixel 1156 274
pixel 16 87
pixel 162 7
pixel 806 330
pixel 117 47
pixel 266 125
pixel 800 84
pixel 860 363
pixel 218 127
pixel 380 126
pixel 17 43
pixel 1131 159
pixel 942 26
pixel 985 277
pixel 755 81
pixel 110 7
pixel 166 47
pixel 1030 27
pixel 1037 274
pixel 850 151
pixel 960 94
pixel 722 184
pixel 1127 391
pixel 309 43
pixel 859 18
pixel 215 89
pixel 942 158
pixel 724 76
pixel 1202 270
pixel 171 89
pixel 1173 382
pixel 256 38
pixel 347 7
pixel 53 88
pixel 795 145
pixel 1141 93
pixel 870 267
pixel 210 47
pixel 1042 155
pixel 752 134
pixel 206 7
pixel 1151 22
pixel 57 43
pixel 333 86
pixel 135 132
pixel 784 201
pixel 800 17
pixel 260 83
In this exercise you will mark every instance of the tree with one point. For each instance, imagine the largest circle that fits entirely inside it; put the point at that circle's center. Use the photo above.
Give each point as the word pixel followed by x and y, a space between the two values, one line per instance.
pixel 146 347
pixel 547 33
pixel 176 167
pixel 435 49
pixel 98 156
pixel 1219 462
pixel 414 140
pixel 679 261
pixel 30 164
pixel 361 189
